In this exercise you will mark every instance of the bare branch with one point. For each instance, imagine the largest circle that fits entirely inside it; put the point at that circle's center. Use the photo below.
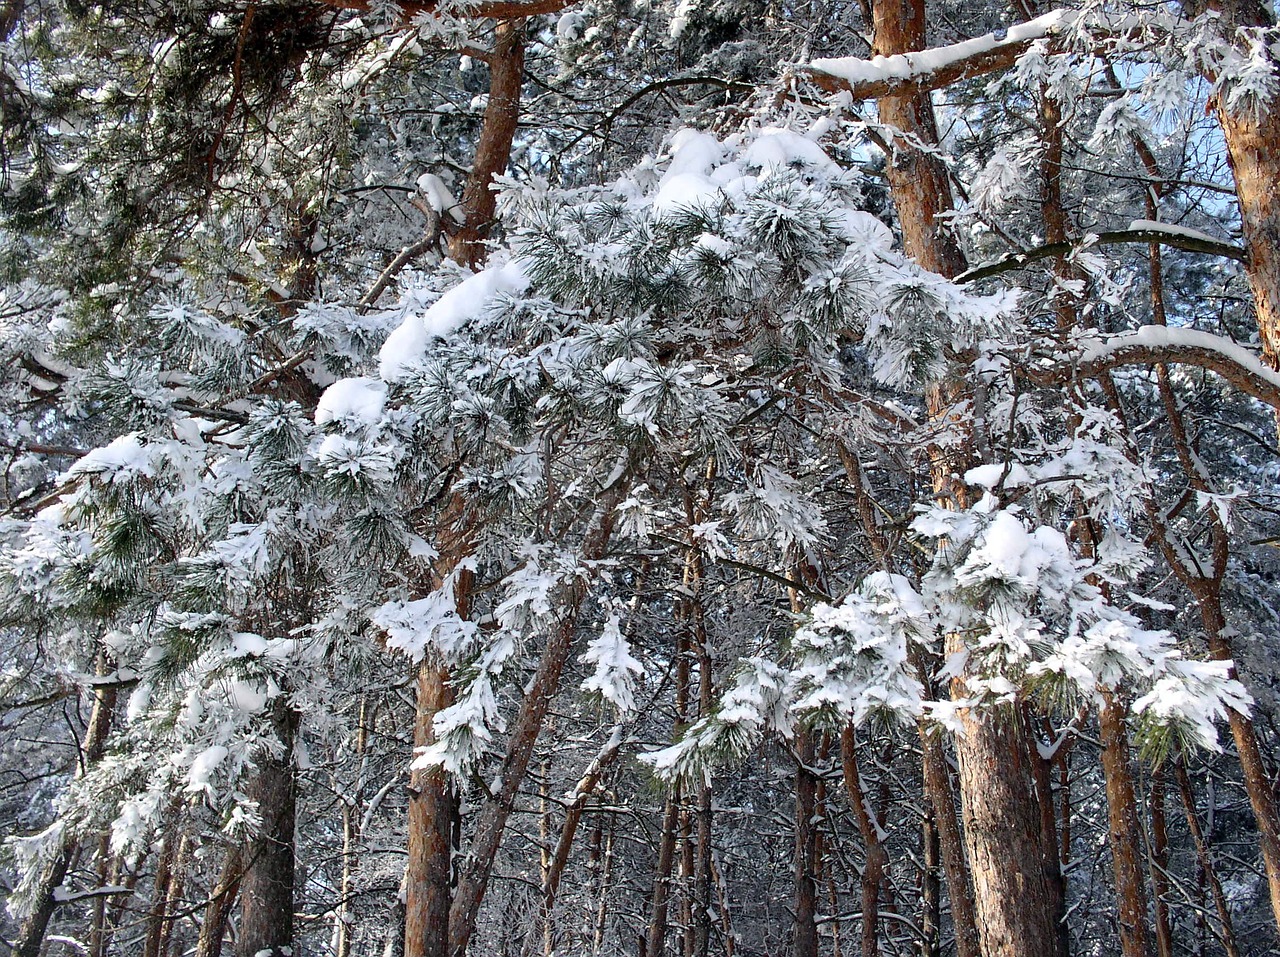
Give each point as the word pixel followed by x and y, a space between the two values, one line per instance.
pixel 1185 241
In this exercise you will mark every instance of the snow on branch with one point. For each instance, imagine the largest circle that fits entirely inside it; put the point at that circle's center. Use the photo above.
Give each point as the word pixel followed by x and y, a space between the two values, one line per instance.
pixel 1151 344
pixel 493 9
pixel 937 67
pixel 1139 231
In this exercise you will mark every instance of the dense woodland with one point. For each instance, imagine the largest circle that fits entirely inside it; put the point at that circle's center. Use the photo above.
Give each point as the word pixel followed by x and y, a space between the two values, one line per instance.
pixel 532 477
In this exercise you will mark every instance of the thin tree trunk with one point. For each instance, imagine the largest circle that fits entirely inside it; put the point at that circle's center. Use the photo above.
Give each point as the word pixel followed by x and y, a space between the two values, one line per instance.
pixel 1122 816
pixel 606 874
pixel 701 941
pixel 1226 934
pixel 433 808
pixel 31 934
pixel 1041 773
pixel 1160 865
pixel 492 818
pixel 930 889
pixel 578 798
pixel 655 943
pixel 1257 780
pixel 342 918
pixel 726 920
pixel 873 847
pixel 266 889
pixel 935 775
pixel 218 912
pixel 493 151
pixel 163 898
pixel 804 940
pixel 686 881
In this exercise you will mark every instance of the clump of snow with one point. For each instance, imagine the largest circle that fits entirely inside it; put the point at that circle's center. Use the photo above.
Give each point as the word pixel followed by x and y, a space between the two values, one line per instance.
pixel 406 347
pixel 203 767
pixel 776 149
pixel 352 402
pixel 570 25
pixel 866 229
pixel 122 460
pixel 438 196
pixel 1011 475
pixel 616 669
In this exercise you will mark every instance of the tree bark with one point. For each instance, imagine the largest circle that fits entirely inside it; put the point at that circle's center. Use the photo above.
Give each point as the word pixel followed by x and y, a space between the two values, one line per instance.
pixel 655 942
pixel 1052 864
pixel 218 911
pixel 930 888
pixel 918 179
pixel 266 888
pixel 433 810
pixel 492 819
pixel 1160 865
pixel 1226 931
pixel 873 848
pixel 1125 827
pixel 493 150
pixel 804 940
pixel 1252 135
pixel 31 934
pixel 1014 904
pixel 1257 779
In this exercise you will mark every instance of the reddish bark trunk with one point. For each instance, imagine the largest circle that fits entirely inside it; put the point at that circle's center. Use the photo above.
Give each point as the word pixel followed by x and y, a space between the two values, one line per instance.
pixel 493 151
pixel 433 809
pixel 873 847
pixel 1122 816
pixel 1014 903
pixel 218 912
pixel 266 888
pixel 491 822
pixel 655 941
pixel 804 939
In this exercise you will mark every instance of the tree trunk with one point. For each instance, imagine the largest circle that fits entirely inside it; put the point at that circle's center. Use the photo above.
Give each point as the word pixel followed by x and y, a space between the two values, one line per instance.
pixel 218 911
pixel 1160 865
pixel 804 941
pixel 493 151
pixel 433 808
pixel 930 889
pixel 656 939
pixel 1122 816
pixel 1014 903
pixel 492 819
pixel 873 847
pixel 1257 780
pixel 1041 774
pixel 31 934
pixel 919 180
pixel 266 889
pixel 573 817
pixel 1252 135
pixel 1014 907
pixel 168 866
pixel 1226 933
pixel 701 923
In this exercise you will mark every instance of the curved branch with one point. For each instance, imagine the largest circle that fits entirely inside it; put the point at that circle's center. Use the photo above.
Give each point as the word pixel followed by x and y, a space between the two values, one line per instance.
pixel 1179 240
pixel 1149 345
pixel 937 67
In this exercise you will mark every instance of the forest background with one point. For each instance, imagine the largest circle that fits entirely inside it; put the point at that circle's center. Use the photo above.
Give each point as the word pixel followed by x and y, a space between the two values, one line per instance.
pixel 639 478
